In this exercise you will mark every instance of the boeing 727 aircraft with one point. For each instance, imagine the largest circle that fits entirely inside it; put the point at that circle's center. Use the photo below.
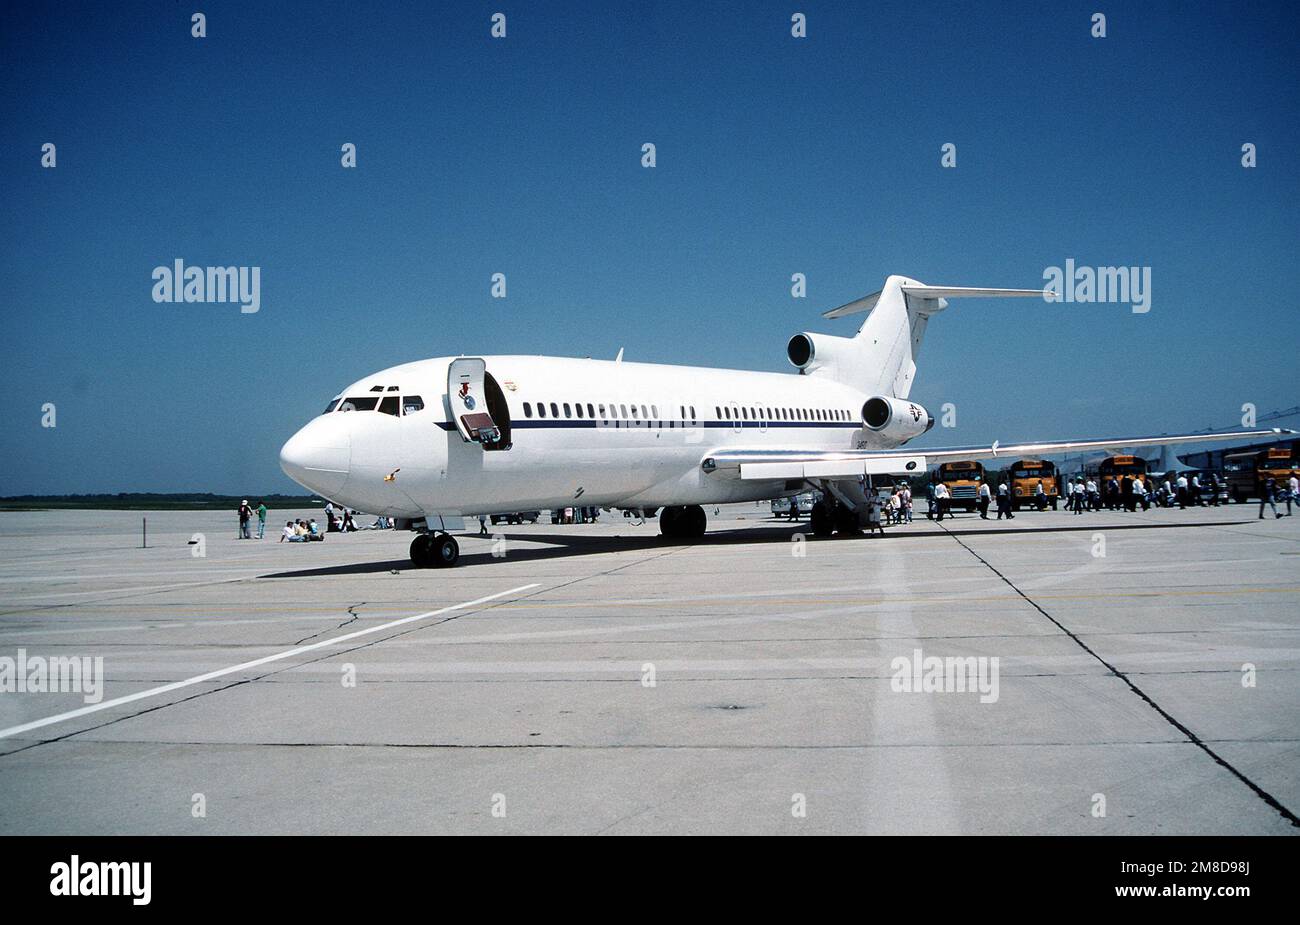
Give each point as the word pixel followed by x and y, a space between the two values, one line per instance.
pixel 433 440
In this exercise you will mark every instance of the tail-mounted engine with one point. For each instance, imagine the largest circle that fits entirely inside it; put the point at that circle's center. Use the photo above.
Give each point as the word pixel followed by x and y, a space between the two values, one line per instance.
pixel 896 419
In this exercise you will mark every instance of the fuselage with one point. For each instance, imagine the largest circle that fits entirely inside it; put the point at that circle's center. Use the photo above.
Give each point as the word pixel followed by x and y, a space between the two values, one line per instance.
pixel 578 432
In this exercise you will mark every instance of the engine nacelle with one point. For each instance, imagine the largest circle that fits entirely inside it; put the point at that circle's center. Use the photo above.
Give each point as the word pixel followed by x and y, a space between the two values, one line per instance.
pixel 811 352
pixel 896 419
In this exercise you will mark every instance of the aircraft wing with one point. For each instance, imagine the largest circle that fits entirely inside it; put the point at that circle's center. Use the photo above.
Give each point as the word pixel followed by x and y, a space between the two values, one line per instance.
pixel 776 463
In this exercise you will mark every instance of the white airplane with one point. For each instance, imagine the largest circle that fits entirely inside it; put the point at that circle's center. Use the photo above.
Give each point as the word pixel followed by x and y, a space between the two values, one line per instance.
pixel 429 442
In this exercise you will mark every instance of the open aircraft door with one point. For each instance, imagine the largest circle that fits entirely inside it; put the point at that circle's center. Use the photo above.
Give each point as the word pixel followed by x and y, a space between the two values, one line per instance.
pixel 477 404
pixel 467 394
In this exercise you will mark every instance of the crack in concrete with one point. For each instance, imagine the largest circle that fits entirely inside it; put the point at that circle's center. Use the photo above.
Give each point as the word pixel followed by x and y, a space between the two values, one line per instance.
pixel 353 616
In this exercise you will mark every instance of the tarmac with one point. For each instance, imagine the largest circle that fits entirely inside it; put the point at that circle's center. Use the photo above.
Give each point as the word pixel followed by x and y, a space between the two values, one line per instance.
pixel 599 679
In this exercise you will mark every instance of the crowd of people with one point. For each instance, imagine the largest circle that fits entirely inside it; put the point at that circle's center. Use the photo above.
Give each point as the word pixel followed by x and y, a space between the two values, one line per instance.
pixel 337 520
pixel 301 531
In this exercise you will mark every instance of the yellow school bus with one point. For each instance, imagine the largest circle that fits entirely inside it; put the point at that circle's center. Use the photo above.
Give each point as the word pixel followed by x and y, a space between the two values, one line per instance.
pixel 963 480
pixel 1120 466
pixel 1246 473
pixel 1025 474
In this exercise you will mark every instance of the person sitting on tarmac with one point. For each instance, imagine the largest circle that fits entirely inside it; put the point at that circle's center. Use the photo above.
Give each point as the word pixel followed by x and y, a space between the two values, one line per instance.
pixel 289 534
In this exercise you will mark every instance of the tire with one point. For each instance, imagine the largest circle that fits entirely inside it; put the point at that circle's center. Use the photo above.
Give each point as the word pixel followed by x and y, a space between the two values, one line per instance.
pixel 693 522
pixel 670 522
pixel 422 550
pixel 445 551
pixel 821 519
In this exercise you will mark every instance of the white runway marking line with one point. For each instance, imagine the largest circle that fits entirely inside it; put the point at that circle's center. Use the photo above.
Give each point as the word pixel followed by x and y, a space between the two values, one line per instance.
pixel 222 672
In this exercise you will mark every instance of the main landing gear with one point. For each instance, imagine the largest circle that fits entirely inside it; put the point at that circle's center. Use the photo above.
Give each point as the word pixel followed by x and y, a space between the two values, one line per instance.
pixel 434 550
pixel 683 523
pixel 832 516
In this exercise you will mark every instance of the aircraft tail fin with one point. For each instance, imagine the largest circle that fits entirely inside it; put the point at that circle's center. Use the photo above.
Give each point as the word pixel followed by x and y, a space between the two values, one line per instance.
pixel 890 338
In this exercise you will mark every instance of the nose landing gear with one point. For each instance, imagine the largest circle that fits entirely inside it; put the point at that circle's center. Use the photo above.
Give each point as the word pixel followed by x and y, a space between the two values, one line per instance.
pixel 434 550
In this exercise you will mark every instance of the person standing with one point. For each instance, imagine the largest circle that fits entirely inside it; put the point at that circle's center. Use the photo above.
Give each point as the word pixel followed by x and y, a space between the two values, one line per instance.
pixel 261 520
pixel 1292 486
pixel 1040 495
pixel 482 525
pixel 906 498
pixel 1079 491
pixel 1268 495
pixel 941 500
pixel 1004 500
pixel 794 508
pixel 1181 486
pixel 245 515
pixel 986 496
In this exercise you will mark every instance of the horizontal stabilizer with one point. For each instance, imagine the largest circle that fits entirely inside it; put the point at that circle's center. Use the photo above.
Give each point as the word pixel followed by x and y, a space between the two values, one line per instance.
pixel 868 302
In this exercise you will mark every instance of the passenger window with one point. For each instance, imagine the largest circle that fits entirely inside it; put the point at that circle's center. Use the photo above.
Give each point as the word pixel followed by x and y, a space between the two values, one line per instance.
pixel 591 411
pixel 555 410
pixel 578 408
pixel 601 409
pixel 362 403
pixel 389 405
pixel 541 409
pixel 528 410
pixel 567 412
pixel 718 411
pixel 744 412
pixel 692 414
pixel 623 410
pixel 654 412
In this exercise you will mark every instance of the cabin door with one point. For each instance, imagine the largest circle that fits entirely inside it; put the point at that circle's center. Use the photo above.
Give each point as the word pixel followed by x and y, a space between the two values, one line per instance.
pixel 476 404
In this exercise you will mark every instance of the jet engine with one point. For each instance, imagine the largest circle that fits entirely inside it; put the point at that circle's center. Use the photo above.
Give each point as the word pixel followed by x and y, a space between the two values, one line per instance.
pixel 896 419
pixel 812 352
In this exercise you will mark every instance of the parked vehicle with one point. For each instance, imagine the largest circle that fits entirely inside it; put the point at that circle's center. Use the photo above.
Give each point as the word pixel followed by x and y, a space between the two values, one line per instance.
pixel 517 518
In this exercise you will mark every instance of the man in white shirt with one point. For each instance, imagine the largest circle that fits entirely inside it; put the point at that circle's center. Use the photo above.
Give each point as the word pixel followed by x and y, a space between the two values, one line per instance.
pixel 1091 489
pixel 986 496
pixel 941 500
pixel 1078 495
pixel 1181 488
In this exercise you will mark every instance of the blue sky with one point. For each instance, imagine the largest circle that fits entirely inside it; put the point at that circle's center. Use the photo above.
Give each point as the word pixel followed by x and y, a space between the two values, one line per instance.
pixel 522 155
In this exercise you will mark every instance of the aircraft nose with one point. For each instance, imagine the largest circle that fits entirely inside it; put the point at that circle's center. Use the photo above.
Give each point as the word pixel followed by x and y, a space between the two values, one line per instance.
pixel 318 456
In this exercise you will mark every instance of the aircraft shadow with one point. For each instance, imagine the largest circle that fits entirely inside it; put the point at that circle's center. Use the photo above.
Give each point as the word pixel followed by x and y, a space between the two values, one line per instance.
pixel 559 546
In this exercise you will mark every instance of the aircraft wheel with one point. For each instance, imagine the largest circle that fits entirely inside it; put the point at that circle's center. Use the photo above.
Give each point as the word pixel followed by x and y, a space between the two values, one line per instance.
pixel 821 519
pixel 445 551
pixel 693 522
pixel 670 522
pixel 422 550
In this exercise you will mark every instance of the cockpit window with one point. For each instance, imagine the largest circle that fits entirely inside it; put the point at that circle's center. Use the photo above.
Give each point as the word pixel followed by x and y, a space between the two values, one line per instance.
pixel 360 403
pixel 411 404
pixel 330 406
pixel 388 405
